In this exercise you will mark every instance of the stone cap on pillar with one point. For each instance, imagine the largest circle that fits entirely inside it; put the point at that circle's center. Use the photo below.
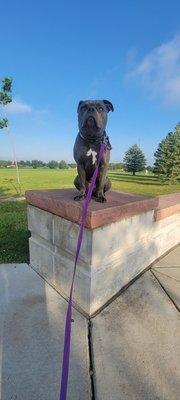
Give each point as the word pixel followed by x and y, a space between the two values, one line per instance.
pixel 119 205
pixel 168 205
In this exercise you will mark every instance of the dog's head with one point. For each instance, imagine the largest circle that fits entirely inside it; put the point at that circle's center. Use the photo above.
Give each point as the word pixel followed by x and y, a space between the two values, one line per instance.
pixel 92 116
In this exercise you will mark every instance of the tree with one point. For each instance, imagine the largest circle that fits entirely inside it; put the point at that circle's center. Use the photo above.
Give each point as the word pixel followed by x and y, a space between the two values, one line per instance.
pixel 134 160
pixel 22 163
pixel 28 163
pixel 37 163
pixel 167 157
pixel 52 164
pixel 5 98
pixel 63 164
pixel 4 163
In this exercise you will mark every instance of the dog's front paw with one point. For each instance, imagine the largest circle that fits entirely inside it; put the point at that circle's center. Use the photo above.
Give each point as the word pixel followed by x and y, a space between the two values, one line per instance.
pixel 101 198
pixel 80 196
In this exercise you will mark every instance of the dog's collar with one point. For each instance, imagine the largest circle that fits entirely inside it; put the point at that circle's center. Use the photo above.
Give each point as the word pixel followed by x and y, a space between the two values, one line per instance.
pixel 94 139
pixel 104 139
pixel 82 137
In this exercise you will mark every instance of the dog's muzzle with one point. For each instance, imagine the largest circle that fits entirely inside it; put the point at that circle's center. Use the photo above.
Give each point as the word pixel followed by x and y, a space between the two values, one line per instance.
pixel 91 122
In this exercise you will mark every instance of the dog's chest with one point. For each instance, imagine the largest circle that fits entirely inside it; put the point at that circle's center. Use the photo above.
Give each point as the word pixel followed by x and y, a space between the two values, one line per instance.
pixel 86 153
pixel 92 155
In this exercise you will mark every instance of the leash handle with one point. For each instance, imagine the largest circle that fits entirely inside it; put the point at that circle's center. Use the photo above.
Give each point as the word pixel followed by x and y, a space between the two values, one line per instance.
pixel 67 332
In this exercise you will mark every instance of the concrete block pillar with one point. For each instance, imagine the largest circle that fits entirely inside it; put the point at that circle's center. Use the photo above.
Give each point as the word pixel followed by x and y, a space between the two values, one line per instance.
pixel 121 238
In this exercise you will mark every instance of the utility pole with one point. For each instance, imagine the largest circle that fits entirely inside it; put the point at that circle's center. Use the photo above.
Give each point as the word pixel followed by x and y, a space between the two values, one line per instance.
pixel 5 98
pixel 11 139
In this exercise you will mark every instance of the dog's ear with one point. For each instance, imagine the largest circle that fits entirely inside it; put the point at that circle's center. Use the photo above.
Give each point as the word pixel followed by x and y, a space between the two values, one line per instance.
pixel 108 105
pixel 79 105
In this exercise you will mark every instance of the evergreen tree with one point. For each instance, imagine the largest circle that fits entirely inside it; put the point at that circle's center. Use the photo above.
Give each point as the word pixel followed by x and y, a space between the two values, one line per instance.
pixel 167 157
pixel 134 160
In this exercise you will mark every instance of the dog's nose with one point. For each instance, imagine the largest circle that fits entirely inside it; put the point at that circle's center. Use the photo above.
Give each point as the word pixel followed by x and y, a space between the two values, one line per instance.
pixel 91 108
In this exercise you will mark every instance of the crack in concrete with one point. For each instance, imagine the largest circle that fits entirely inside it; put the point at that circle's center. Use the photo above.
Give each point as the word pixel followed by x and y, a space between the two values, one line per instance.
pixel 170 298
pixel 172 266
pixel 168 276
pixel 91 360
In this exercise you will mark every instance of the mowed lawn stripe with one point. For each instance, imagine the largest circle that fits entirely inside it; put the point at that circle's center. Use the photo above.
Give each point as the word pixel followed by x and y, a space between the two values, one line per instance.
pixel 45 178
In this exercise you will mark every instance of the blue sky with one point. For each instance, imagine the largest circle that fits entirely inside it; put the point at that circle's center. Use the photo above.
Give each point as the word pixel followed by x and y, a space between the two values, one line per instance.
pixel 60 52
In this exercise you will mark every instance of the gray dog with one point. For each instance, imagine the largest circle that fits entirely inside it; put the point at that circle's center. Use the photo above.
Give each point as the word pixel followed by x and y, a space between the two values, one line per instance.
pixel 92 118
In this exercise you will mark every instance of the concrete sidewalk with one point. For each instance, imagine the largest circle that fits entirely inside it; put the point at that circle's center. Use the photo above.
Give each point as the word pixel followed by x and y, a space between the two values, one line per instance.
pixel 135 341
pixel 167 271
pixel 32 316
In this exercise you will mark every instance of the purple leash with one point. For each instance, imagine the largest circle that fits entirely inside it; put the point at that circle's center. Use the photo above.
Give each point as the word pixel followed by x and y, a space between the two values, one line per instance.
pixel 67 332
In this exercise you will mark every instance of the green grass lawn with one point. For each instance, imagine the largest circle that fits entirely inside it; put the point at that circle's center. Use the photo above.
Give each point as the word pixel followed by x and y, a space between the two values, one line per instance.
pixel 141 184
pixel 45 178
pixel 40 178
pixel 13 221
pixel 13 232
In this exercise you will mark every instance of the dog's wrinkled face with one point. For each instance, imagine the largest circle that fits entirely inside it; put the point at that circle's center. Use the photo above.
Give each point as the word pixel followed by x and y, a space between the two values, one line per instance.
pixel 92 116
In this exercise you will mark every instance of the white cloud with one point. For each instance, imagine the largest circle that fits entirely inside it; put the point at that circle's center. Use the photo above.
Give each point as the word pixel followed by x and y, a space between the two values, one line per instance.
pixel 159 72
pixel 18 106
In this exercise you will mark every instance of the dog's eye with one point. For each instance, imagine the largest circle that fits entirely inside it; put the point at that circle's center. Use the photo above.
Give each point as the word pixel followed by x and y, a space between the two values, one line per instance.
pixel 100 108
pixel 83 108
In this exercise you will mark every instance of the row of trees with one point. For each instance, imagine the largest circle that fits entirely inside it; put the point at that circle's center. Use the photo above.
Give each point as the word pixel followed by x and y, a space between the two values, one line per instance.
pixel 39 164
pixel 167 158
pixel 53 164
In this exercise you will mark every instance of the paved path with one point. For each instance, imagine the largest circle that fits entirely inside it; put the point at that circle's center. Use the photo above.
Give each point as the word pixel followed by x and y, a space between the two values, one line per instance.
pixel 135 340
pixel 167 271
pixel 31 339
pixel 136 345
